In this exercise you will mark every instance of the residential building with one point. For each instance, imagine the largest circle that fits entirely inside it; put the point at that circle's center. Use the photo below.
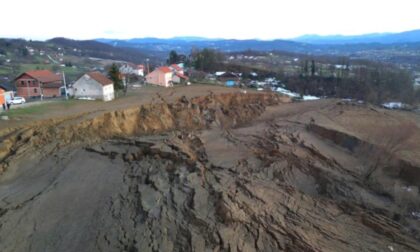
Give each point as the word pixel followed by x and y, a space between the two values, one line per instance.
pixel 9 91
pixel 2 98
pixel 177 69
pixel 161 76
pixel 94 85
pixel 179 78
pixel 229 78
pixel 38 83
pixel 129 68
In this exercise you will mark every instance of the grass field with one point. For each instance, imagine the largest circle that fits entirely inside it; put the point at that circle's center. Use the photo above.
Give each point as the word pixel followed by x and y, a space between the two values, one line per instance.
pixel 40 109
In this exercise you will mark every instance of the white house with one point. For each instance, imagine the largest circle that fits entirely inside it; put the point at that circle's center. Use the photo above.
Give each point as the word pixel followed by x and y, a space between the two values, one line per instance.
pixel 94 85
pixel 179 78
pixel 177 69
pixel 129 68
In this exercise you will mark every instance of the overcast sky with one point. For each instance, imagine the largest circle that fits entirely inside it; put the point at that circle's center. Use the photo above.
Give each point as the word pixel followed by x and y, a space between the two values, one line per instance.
pixel 263 19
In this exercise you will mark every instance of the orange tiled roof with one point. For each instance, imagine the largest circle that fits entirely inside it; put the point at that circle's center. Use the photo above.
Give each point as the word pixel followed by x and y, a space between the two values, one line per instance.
pixel 164 69
pixel 102 79
pixel 44 76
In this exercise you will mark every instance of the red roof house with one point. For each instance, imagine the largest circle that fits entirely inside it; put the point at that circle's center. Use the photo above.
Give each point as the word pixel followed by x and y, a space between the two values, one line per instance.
pixel 38 82
pixel 161 76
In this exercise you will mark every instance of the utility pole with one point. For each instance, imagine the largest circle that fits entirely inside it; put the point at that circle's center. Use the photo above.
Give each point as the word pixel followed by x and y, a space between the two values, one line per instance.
pixel 65 85
pixel 27 89
pixel 125 77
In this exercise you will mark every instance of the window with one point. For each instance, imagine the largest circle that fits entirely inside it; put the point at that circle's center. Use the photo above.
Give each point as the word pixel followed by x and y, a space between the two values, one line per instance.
pixel 35 90
pixel 22 82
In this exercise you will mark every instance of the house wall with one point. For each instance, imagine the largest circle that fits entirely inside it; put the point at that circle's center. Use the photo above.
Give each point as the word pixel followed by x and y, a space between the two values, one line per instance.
pixel 27 87
pixel 176 79
pixel 153 78
pixel 108 91
pixel 51 92
pixel 139 72
pixel 88 87
pixel 168 79
pixel 2 98
pixel 159 78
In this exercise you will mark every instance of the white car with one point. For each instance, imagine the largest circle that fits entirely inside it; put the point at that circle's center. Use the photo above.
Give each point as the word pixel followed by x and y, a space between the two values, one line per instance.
pixel 18 100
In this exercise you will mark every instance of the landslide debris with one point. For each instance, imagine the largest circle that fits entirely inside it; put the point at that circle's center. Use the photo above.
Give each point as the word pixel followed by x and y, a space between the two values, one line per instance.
pixel 221 182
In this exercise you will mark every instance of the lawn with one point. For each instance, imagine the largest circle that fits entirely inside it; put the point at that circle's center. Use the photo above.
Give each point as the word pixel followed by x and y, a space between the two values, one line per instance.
pixel 26 111
pixel 40 109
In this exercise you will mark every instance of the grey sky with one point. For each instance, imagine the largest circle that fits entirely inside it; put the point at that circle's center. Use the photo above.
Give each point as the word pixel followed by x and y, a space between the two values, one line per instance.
pixel 264 19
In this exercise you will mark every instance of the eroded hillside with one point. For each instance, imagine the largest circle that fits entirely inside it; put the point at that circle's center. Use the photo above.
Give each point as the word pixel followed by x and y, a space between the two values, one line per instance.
pixel 232 172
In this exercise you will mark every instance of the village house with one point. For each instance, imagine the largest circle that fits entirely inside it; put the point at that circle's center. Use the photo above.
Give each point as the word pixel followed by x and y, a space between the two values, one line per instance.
pixel 161 76
pixel 176 69
pixel 179 78
pixel 2 98
pixel 9 91
pixel 228 78
pixel 94 85
pixel 129 68
pixel 39 83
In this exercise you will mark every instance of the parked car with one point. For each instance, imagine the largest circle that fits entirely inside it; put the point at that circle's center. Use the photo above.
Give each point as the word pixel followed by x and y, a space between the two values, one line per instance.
pixel 18 100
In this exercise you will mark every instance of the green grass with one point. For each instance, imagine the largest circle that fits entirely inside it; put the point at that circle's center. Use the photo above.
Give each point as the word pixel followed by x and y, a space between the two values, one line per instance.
pixel 4 70
pixel 40 109
pixel 28 67
pixel 26 111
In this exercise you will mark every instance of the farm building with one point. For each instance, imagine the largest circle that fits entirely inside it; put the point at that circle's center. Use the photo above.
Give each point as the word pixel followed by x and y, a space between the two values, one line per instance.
pixel 94 85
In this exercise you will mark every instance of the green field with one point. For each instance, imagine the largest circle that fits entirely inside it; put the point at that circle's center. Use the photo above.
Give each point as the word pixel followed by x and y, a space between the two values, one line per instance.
pixel 40 109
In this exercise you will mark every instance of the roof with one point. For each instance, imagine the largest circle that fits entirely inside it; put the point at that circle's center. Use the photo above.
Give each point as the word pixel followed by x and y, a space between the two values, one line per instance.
pixel 8 87
pixel 102 79
pixel 164 69
pixel 176 67
pixel 140 66
pixel 44 76
pixel 229 75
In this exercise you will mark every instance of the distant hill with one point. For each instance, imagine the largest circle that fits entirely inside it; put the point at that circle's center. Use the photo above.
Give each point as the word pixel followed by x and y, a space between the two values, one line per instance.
pixel 401 48
pixel 185 44
pixel 381 38
pixel 92 48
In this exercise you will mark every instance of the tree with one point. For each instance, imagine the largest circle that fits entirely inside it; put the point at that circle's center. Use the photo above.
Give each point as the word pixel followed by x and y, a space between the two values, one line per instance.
pixel 115 75
pixel 55 68
pixel 24 52
pixel 173 57
pixel 206 60
pixel 313 68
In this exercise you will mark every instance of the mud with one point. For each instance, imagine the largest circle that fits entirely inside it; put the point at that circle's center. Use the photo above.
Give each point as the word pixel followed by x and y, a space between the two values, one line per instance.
pixel 215 173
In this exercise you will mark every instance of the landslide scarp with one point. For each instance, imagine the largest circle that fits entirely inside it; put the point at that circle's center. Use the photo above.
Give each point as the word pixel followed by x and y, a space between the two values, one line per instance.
pixel 224 110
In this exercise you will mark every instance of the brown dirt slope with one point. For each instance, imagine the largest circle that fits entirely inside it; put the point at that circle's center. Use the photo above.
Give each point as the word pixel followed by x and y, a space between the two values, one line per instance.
pixel 222 172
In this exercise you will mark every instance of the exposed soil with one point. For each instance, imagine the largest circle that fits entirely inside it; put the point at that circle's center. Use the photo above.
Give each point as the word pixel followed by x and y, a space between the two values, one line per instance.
pixel 221 172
